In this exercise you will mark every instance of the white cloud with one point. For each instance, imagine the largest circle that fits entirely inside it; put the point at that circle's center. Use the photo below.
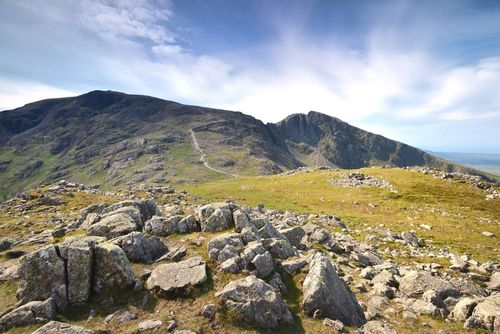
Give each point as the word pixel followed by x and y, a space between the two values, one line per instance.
pixel 15 93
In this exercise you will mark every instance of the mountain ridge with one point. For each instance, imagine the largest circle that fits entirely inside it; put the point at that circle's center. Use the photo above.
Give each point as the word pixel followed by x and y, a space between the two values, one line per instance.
pixel 113 138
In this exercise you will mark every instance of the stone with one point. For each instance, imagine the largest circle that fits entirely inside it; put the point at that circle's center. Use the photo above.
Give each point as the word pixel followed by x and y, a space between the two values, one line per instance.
pixel 263 264
pixel 420 306
pixel 488 234
pixel 6 243
pixel 324 290
pixel 279 248
pixel 294 235
pixel 385 278
pixel 277 283
pixel 415 283
pixel 113 226
pixel 293 265
pixel 255 302
pixel 410 238
pixel 209 311
pixel 217 244
pixel 335 325
pixel 494 283
pixel 463 309
pixel 138 248
pixel 41 276
pixel 35 312
pixel 162 227
pixel 241 220
pixel 56 327
pixel 120 316
pixel 216 217
pixel 488 313
pixel 112 268
pixel 377 327
pixel 320 235
pixel 149 325
pixel 176 277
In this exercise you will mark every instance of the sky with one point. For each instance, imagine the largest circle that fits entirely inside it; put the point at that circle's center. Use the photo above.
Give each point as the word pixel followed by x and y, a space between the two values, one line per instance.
pixel 426 73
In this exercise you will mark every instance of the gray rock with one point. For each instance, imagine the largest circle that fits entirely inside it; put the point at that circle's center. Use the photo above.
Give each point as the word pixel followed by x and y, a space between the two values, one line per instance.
pixel 410 239
pixel 294 235
pixel 147 208
pixel 138 248
pixel 335 325
pixel 323 290
pixel 279 248
pixel 415 283
pixel 41 276
pixel 216 217
pixel 112 268
pixel 463 309
pixel 293 265
pixel 217 244
pixel 161 226
pixel 277 283
pixel 263 264
pixel 241 220
pixel 320 235
pixel 56 327
pixel 149 325
pixel 209 311
pixel 176 277
pixel 35 312
pixel 385 278
pixel 487 313
pixel 377 327
pixel 494 283
pixel 120 317
pixel 255 302
pixel 114 225
pixel 420 306
pixel 467 287
pixel 6 243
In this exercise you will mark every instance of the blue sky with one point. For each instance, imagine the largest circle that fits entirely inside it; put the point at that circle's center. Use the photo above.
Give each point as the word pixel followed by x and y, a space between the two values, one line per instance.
pixel 423 72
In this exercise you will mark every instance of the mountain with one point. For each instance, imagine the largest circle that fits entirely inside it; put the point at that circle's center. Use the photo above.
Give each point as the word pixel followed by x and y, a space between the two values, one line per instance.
pixel 113 139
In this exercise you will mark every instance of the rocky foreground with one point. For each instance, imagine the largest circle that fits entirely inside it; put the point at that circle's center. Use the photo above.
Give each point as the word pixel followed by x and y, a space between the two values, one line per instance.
pixel 235 264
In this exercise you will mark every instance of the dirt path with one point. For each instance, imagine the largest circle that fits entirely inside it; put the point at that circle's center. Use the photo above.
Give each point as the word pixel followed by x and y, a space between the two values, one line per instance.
pixel 203 155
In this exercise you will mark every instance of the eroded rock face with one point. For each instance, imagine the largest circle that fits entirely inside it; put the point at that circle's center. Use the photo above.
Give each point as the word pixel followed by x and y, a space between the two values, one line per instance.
pixel 69 271
pixel 138 248
pixel 31 313
pixel 56 327
pixel 255 302
pixel 323 290
pixel 176 277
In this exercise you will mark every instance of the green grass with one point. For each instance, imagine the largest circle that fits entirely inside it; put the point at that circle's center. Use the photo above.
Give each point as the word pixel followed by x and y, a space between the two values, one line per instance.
pixel 451 208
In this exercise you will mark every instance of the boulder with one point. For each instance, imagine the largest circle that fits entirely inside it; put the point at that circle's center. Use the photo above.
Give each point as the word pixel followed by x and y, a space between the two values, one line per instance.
pixel 415 283
pixel 162 227
pixel 494 283
pixel 35 312
pixel 147 208
pixel 279 248
pixel 41 276
pixel 216 217
pixel 6 243
pixel 463 309
pixel 241 220
pixel 487 313
pixel 294 235
pixel 263 264
pixel 293 265
pixel 255 302
pixel 138 248
pixel 149 325
pixel 377 327
pixel 114 225
pixel 227 241
pixel 385 278
pixel 56 327
pixel 176 277
pixel 112 268
pixel 323 290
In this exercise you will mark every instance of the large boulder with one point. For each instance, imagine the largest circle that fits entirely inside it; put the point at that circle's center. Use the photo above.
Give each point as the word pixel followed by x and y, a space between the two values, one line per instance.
pixel 324 291
pixel 294 235
pixel 255 302
pixel 487 314
pixel 416 283
pixel 41 276
pixel 138 248
pixel 164 226
pixel 216 217
pixel 220 247
pixel 147 208
pixel 31 313
pixel 112 268
pixel 280 248
pixel 56 327
pixel 171 278
pixel 115 225
pixel 463 309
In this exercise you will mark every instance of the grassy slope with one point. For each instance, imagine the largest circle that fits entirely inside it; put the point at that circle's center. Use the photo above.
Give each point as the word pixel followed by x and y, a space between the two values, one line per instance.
pixel 453 209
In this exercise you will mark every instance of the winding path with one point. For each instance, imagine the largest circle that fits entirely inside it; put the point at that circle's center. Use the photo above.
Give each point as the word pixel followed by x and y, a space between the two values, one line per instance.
pixel 203 155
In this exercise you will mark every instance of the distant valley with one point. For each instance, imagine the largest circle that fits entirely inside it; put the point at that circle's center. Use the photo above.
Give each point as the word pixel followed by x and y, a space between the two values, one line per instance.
pixel 487 162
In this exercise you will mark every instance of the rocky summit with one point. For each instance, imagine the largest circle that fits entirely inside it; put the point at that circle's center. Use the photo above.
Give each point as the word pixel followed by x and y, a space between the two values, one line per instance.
pixel 131 214
pixel 76 259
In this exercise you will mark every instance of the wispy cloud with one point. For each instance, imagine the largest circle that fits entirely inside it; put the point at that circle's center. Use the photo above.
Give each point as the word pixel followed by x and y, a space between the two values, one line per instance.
pixel 405 68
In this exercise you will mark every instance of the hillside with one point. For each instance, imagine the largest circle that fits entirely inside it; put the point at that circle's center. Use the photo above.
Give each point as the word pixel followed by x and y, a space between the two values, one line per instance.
pixel 114 139
pixel 401 248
